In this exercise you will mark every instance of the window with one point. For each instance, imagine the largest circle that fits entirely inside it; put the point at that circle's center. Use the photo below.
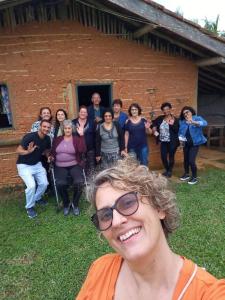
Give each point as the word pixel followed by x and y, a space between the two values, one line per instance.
pixel 5 111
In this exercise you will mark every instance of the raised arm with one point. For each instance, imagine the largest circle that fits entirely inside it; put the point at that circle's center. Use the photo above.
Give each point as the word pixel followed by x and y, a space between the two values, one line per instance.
pixel 22 151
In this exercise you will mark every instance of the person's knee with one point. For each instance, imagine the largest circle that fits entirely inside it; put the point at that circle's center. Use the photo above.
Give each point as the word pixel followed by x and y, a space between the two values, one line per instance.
pixel 61 186
pixel 78 185
pixel 192 163
pixel 44 183
pixel 31 187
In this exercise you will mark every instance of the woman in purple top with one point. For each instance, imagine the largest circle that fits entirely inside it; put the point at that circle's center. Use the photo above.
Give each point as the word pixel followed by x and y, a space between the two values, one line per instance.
pixel 67 151
pixel 136 129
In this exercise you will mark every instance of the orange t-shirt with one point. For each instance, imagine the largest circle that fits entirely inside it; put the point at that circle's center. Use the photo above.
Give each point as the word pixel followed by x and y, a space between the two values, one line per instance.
pixel 102 276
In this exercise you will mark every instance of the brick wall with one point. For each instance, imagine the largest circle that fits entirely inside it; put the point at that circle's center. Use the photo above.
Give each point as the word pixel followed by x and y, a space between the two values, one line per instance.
pixel 40 63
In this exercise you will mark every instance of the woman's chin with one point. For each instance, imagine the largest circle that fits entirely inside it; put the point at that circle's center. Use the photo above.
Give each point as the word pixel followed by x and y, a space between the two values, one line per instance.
pixel 134 256
pixel 134 249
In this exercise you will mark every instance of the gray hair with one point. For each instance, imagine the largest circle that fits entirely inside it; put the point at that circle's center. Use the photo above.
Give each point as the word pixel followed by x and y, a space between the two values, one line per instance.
pixel 69 123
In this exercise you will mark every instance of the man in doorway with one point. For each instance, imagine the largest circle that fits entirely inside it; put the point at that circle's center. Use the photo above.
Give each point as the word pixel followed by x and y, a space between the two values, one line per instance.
pixel 29 166
pixel 119 115
pixel 95 111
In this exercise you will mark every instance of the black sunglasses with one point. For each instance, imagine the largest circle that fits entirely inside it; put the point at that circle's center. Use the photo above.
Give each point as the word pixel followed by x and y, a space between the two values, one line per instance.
pixel 126 205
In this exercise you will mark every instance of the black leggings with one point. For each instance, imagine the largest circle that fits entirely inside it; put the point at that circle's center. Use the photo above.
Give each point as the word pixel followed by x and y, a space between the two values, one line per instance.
pixel 90 163
pixel 190 154
pixel 168 151
pixel 63 192
pixel 64 176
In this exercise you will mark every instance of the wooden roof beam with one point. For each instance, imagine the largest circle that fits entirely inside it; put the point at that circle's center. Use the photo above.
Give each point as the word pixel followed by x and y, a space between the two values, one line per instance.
pixel 210 83
pixel 220 73
pixel 10 3
pixel 211 77
pixel 143 30
pixel 180 44
pixel 204 90
pixel 210 61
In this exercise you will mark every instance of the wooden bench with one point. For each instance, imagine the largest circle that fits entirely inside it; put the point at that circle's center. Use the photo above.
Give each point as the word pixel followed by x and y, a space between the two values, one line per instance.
pixel 212 128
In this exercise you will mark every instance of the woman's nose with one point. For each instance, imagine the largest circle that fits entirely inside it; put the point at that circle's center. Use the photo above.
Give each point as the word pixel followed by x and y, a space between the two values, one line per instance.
pixel 118 219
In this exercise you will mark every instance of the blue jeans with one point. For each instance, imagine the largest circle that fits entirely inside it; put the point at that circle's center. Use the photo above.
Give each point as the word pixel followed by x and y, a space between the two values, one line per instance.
pixel 141 154
pixel 32 175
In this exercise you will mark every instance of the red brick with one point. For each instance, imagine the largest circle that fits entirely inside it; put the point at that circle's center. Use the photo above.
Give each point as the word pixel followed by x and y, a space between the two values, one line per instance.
pixel 39 63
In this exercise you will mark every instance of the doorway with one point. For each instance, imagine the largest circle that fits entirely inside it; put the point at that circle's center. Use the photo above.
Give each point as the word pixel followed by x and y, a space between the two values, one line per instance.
pixel 85 91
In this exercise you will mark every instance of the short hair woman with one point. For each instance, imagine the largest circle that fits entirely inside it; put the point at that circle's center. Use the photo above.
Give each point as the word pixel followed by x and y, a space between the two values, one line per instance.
pixel 136 211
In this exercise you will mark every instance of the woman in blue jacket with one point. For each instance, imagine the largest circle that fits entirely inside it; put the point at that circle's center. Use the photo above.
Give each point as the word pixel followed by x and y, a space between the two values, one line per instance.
pixel 190 136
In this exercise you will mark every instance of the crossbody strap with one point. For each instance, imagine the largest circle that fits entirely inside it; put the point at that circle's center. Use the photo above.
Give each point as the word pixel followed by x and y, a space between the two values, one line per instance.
pixel 188 283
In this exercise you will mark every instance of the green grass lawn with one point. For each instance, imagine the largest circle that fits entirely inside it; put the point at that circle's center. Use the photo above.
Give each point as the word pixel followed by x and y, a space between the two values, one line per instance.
pixel 48 258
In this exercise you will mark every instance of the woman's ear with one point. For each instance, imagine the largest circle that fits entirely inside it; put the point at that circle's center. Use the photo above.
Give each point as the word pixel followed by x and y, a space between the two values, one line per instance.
pixel 161 214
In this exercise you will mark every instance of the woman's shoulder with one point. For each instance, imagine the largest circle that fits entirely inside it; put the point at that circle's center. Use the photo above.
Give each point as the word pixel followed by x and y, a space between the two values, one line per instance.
pixel 75 121
pixel 57 140
pixel 36 123
pixel 143 120
pixel 101 278
pixel 197 118
pixel 159 118
pixel 205 285
pixel 182 121
pixel 213 288
pixel 123 115
pixel 107 260
pixel 35 126
pixel 105 264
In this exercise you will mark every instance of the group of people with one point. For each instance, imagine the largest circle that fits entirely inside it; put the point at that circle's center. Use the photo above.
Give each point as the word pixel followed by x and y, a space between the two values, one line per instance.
pixel 101 136
pixel 185 131
pixel 135 210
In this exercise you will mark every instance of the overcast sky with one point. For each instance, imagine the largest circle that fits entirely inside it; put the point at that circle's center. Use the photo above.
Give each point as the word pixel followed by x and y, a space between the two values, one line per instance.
pixel 198 9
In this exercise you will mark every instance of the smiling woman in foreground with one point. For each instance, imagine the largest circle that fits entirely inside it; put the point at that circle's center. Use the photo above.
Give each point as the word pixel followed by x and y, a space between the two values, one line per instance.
pixel 136 211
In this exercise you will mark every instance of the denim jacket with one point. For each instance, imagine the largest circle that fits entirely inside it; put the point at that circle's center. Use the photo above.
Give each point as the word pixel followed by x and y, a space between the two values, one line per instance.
pixel 195 131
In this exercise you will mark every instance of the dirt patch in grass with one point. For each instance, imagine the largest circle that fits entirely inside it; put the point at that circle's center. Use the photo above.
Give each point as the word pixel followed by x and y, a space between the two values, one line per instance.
pixel 26 259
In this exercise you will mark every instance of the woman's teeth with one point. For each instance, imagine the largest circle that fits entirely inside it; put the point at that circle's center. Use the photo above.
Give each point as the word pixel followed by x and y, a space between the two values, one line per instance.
pixel 130 233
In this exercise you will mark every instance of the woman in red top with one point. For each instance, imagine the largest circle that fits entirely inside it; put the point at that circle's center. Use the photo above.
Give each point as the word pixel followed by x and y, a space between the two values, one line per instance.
pixel 135 211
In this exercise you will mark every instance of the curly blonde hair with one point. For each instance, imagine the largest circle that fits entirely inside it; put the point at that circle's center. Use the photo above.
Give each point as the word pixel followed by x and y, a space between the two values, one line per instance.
pixel 128 175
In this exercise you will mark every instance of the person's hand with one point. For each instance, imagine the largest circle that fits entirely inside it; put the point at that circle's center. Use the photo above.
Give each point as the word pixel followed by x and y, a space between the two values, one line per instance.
pixel 189 121
pixel 80 130
pixel 124 153
pixel 98 119
pixel 188 118
pixel 31 147
pixel 147 124
pixel 196 123
pixel 98 158
pixel 156 133
pixel 171 120
pixel 50 158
